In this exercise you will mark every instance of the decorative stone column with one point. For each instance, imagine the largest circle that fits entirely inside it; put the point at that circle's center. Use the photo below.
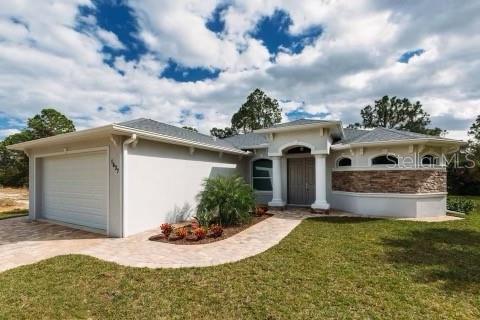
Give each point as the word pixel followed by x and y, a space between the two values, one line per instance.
pixel 276 183
pixel 320 183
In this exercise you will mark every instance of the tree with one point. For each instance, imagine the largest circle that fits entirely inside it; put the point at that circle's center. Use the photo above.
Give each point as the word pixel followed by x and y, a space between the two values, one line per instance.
pixel 474 131
pixel 190 128
pixel 223 133
pixel 399 114
pixel 259 111
pixel 48 123
pixel 14 164
pixel 464 179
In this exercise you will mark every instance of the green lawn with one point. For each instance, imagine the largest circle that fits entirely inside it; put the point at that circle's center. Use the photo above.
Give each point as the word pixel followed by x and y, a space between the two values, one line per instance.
pixel 326 268
pixel 13 214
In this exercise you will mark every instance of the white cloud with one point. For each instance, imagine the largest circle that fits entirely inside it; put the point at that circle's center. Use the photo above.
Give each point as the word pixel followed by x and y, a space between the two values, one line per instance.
pixel 46 62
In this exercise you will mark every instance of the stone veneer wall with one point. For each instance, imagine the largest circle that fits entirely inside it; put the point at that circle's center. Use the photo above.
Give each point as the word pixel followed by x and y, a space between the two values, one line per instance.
pixel 390 181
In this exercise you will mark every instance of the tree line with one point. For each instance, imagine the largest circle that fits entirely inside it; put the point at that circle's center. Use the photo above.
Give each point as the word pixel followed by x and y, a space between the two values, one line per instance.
pixel 257 112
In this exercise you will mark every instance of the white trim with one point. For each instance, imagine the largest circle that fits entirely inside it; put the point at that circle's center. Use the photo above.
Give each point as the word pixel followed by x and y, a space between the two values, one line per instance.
pixel 169 139
pixel 385 168
pixel 61 137
pixel 296 143
pixel 67 152
pixel 427 153
pixel 340 157
pixel 399 142
pixel 105 149
pixel 382 154
pixel 131 140
pixel 326 124
pixel 391 195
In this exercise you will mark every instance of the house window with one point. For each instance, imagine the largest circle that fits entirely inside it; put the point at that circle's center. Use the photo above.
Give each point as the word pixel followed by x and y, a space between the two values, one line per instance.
pixel 344 162
pixel 262 175
pixel 430 160
pixel 384 160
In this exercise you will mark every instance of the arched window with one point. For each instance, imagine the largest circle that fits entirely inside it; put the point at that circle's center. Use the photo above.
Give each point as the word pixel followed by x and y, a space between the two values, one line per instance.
pixel 429 159
pixel 299 150
pixel 384 160
pixel 262 175
pixel 344 162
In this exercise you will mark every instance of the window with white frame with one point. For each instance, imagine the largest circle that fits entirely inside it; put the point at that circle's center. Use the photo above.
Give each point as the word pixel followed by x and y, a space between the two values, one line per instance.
pixel 387 159
pixel 430 160
pixel 262 175
pixel 344 162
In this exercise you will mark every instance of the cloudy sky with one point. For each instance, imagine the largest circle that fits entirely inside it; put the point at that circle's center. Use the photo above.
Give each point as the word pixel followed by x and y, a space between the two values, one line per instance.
pixel 194 62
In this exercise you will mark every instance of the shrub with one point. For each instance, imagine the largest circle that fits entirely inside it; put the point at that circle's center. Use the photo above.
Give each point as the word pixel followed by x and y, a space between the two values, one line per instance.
pixel 205 218
pixel 166 229
pixel 230 196
pixel 181 232
pixel 216 231
pixel 460 205
pixel 201 233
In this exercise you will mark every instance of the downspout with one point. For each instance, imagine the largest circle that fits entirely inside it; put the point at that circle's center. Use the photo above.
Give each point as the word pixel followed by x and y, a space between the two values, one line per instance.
pixel 126 143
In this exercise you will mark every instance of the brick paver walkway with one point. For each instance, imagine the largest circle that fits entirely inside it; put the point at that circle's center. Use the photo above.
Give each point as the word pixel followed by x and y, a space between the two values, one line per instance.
pixel 23 242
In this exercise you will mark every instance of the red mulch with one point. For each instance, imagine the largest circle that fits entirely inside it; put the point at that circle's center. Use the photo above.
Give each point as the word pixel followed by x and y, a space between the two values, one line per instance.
pixel 227 232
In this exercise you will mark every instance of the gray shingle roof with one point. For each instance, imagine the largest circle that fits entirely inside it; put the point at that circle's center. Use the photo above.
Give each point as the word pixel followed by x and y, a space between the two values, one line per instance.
pixel 380 134
pixel 299 122
pixel 247 140
pixel 175 132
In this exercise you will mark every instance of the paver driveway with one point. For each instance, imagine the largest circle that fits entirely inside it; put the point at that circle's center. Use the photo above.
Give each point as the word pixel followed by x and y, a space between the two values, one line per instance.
pixel 23 242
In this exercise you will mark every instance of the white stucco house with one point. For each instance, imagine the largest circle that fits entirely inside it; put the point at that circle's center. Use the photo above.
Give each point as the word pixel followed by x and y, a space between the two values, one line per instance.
pixel 125 178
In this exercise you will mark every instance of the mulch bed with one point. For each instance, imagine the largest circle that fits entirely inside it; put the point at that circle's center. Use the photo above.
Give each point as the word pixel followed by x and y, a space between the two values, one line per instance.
pixel 227 232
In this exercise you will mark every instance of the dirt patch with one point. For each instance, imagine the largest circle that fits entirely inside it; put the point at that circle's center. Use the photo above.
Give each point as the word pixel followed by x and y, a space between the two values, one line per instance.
pixel 13 199
pixel 227 233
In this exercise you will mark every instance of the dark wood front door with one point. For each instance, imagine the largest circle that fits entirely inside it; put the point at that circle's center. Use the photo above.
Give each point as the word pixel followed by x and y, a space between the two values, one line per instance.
pixel 301 181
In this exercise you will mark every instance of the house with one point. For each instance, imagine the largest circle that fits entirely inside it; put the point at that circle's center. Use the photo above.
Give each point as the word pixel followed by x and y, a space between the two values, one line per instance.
pixel 125 178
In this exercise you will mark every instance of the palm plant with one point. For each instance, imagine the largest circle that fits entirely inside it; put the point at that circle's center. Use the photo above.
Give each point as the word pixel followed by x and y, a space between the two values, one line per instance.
pixel 228 197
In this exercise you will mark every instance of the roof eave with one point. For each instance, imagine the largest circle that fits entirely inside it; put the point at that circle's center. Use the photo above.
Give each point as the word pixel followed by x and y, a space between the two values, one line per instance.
pixel 178 141
pixel 399 142
pixel 77 135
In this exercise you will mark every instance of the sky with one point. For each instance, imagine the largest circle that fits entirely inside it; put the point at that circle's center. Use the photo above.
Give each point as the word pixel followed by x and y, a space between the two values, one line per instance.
pixel 193 63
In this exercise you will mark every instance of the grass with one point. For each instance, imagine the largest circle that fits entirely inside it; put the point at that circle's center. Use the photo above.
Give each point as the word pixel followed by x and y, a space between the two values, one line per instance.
pixel 326 268
pixel 13 213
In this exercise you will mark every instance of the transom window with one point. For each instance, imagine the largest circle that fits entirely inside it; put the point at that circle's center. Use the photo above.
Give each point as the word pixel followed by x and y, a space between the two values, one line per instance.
pixel 387 159
pixel 299 150
pixel 429 159
pixel 262 175
pixel 344 162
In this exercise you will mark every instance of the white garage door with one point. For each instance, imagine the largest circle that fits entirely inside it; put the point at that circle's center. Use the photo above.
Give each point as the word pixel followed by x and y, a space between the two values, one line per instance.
pixel 74 189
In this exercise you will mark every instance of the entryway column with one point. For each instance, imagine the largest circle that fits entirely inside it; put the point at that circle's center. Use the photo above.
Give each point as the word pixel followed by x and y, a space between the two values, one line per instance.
pixel 276 183
pixel 320 183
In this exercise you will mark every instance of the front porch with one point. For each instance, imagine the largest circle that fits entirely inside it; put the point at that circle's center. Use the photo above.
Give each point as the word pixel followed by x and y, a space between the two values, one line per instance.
pixel 299 179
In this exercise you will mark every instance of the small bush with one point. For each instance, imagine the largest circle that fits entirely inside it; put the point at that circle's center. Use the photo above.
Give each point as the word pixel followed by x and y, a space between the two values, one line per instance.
pixel 230 196
pixel 460 205
pixel 216 231
pixel 181 232
pixel 201 233
pixel 166 229
pixel 206 217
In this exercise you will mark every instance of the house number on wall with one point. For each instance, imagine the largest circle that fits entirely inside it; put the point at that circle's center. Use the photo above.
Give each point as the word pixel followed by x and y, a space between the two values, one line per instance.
pixel 115 167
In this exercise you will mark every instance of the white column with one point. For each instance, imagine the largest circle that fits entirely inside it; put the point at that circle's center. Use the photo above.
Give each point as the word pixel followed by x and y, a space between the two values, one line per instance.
pixel 320 183
pixel 276 183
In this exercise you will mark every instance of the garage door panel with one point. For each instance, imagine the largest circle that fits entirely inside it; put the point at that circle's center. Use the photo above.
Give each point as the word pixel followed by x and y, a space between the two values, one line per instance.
pixel 74 189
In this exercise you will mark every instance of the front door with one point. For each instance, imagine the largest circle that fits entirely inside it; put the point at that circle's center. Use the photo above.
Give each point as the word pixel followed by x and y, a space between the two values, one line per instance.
pixel 301 181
